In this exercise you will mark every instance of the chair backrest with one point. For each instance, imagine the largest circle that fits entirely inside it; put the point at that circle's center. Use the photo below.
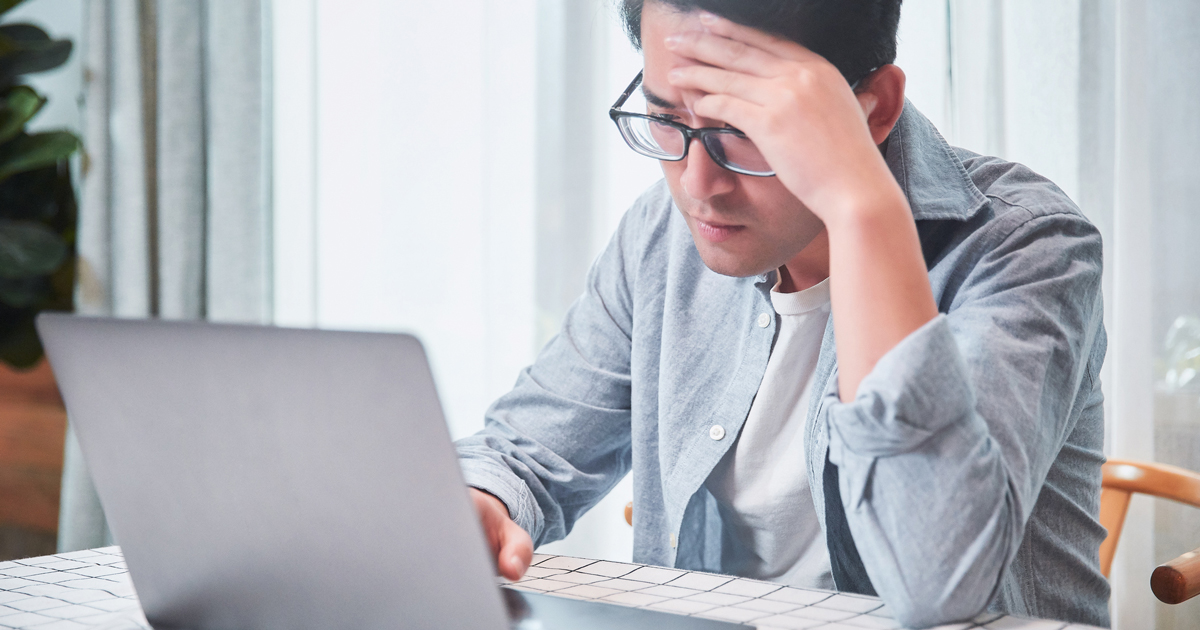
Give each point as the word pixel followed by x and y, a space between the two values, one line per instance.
pixel 1121 479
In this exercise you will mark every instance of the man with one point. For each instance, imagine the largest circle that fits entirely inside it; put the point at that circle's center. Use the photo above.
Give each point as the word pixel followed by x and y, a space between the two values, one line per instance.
pixel 944 452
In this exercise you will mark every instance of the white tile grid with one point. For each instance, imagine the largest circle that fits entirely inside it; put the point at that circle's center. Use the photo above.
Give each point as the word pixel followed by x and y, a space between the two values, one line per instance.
pixel 765 605
pixel 91 589
pixel 69 591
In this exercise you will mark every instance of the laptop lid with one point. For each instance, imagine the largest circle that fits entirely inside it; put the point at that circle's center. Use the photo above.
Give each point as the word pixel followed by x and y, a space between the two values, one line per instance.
pixel 220 455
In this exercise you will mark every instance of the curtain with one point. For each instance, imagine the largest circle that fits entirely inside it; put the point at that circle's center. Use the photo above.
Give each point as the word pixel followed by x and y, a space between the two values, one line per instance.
pixel 1156 282
pixel 175 200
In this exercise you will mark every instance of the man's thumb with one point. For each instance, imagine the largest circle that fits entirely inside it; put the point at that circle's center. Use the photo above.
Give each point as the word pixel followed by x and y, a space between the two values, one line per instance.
pixel 516 551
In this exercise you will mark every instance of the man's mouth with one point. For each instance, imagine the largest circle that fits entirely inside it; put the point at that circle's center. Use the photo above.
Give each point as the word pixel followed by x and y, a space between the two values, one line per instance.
pixel 716 232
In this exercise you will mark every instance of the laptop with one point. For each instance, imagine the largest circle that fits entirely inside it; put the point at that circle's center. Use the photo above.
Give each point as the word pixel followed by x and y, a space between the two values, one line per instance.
pixel 260 477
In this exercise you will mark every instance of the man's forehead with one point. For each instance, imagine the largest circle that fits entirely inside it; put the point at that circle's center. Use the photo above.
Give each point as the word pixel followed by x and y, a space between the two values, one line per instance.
pixel 659 21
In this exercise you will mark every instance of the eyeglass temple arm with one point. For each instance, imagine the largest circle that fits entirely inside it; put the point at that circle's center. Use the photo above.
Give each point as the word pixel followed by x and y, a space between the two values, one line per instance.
pixel 625 95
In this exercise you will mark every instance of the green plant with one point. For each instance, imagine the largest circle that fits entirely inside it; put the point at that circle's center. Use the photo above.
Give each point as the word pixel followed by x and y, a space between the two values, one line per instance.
pixel 37 200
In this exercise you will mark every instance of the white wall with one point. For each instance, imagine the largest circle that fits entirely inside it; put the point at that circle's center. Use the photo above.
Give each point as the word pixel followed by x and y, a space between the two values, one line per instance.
pixel 403 179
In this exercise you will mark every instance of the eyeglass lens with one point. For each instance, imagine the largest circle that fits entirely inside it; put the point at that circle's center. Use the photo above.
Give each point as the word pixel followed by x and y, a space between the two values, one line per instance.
pixel 736 149
pixel 664 142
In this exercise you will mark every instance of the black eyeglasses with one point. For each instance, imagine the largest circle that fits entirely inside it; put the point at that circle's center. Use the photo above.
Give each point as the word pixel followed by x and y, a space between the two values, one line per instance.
pixel 667 140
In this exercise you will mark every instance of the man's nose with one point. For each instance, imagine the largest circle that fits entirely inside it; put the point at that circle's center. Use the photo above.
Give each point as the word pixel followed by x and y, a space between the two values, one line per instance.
pixel 704 178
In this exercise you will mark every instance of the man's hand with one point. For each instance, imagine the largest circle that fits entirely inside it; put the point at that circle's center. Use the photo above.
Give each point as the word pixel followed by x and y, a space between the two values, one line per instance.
pixel 511 546
pixel 814 131
pixel 821 139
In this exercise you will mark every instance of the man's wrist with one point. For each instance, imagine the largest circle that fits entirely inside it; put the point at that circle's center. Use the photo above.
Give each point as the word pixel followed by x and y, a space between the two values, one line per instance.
pixel 871 207
pixel 488 496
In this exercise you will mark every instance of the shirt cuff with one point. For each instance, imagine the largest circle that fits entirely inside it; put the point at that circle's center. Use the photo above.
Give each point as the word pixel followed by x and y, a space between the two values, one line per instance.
pixel 510 489
pixel 918 388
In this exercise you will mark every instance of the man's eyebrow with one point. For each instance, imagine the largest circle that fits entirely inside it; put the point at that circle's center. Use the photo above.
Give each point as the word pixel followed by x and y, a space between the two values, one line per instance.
pixel 657 100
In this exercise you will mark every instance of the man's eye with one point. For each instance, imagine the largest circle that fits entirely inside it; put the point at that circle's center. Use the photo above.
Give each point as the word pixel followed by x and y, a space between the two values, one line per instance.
pixel 666 117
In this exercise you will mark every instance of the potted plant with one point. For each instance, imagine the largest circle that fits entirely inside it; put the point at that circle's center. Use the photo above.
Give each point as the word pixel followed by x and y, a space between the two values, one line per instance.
pixel 37 272
pixel 37 200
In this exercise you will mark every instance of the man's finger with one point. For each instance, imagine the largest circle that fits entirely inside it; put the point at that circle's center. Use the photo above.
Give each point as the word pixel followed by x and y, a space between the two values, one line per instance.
pixel 777 46
pixel 729 109
pixel 516 551
pixel 717 81
pixel 723 52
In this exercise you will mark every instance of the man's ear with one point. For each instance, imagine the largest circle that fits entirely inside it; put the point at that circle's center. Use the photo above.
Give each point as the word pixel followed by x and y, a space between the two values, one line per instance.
pixel 881 96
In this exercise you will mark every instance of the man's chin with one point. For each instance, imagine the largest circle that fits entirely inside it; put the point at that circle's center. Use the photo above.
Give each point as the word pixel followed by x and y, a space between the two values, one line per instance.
pixel 731 266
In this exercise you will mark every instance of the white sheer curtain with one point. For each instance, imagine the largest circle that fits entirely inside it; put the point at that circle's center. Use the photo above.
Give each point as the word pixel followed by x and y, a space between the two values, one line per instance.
pixel 175 200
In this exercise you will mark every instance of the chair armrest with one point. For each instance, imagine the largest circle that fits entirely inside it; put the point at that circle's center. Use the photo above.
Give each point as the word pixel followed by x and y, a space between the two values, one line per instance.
pixel 1178 580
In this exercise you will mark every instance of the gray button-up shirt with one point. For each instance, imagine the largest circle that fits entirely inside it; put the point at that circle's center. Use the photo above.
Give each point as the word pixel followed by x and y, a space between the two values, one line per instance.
pixel 969 461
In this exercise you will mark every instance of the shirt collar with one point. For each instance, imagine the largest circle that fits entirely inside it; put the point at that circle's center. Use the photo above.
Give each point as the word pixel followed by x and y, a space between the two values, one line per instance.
pixel 928 170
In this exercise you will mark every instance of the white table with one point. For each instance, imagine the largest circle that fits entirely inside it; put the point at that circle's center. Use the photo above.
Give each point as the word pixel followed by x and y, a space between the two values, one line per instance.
pixel 91 589
pixel 81 589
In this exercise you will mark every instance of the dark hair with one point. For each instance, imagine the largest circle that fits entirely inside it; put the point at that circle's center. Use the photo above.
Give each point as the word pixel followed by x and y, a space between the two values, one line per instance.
pixel 854 35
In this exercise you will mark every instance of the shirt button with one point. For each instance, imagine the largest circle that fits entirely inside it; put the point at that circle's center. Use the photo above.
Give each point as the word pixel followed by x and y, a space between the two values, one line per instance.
pixel 764 320
pixel 716 432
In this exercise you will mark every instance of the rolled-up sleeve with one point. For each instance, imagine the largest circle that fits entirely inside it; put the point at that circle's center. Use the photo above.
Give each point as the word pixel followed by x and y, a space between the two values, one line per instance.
pixel 947 443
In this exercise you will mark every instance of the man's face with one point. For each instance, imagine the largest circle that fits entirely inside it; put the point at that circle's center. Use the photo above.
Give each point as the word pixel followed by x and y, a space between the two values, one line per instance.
pixel 742 225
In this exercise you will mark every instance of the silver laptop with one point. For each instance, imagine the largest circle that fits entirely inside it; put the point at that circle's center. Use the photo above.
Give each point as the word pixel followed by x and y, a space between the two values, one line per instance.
pixel 261 477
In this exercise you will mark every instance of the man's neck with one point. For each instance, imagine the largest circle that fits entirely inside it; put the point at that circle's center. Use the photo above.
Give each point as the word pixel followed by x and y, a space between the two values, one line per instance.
pixel 808 268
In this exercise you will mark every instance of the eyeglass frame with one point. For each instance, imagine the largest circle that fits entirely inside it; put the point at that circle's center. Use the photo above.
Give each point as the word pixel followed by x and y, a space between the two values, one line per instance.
pixel 689 133
pixel 616 113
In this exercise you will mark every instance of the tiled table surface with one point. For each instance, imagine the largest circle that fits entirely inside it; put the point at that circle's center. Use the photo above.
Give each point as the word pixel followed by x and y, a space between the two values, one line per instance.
pixel 81 589
pixel 91 589
pixel 765 605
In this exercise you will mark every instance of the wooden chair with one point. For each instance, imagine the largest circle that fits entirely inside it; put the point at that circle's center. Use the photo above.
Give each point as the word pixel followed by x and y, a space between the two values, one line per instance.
pixel 1178 580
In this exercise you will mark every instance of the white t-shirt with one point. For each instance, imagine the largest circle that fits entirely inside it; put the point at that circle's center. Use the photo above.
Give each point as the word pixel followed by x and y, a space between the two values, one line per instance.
pixel 762 485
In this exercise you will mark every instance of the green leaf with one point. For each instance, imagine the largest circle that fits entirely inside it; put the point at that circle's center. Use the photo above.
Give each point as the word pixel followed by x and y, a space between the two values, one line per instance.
pixel 25 32
pixel 17 108
pixel 5 5
pixel 29 249
pixel 25 49
pixel 19 345
pixel 27 152
pixel 23 292
pixel 31 196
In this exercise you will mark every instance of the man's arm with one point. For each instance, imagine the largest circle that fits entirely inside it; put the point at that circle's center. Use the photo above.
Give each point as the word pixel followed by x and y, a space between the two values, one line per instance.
pixel 560 439
pixel 822 140
pixel 943 453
